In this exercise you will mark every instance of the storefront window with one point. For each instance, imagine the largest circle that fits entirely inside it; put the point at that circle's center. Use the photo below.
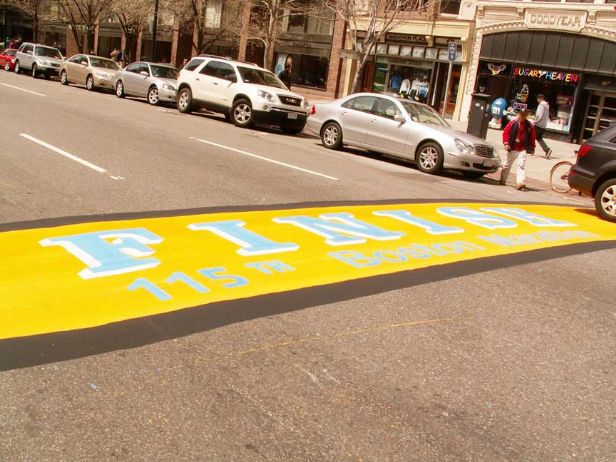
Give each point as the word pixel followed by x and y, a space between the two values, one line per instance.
pixel 411 82
pixel 394 50
pixel 310 71
pixel 519 87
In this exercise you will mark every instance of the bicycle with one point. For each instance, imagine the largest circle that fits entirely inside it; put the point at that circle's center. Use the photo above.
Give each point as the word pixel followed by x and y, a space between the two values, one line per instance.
pixel 559 176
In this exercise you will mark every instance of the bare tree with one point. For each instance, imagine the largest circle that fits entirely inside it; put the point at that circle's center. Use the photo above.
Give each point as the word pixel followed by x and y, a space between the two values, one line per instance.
pixel 133 17
pixel 268 18
pixel 368 21
pixel 38 10
pixel 83 16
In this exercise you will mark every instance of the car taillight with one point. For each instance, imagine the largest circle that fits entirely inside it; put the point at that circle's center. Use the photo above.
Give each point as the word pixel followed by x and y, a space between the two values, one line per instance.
pixel 584 150
pixel 313 111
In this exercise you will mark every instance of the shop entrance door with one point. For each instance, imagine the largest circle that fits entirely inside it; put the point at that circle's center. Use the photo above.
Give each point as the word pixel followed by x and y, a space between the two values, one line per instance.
pixel 600 113
pixel 454 86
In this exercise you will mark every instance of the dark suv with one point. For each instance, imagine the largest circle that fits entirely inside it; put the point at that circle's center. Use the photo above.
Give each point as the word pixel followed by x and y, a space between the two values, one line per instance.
pixel 594 173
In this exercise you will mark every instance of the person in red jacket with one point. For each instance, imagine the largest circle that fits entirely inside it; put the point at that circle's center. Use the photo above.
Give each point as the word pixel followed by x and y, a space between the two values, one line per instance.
pixel 519 139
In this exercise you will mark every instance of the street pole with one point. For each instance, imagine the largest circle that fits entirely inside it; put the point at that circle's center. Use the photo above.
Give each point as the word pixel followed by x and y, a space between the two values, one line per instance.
pixel 452 50
pixel 154 30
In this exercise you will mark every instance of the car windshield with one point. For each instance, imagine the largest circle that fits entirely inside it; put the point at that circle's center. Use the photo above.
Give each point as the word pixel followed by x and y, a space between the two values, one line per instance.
pixel 260 77
pixel 164 72
pixel 48 52
pixel 423 114
pixel 104 63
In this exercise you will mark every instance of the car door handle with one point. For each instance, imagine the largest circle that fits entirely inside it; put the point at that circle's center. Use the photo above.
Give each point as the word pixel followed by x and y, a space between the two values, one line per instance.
pixel 197 78
pixel 215 83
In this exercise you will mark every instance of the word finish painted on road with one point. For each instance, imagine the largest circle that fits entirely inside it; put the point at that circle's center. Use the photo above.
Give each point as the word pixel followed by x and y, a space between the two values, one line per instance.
pixel 90 274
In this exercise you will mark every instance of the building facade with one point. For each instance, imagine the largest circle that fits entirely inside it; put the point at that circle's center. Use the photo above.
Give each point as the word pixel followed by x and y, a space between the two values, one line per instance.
pixel 418 49
pixel 565 50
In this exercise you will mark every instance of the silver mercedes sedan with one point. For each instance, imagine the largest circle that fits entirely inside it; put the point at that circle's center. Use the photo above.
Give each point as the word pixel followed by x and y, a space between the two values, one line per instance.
pixel 156 82
pixel 404 129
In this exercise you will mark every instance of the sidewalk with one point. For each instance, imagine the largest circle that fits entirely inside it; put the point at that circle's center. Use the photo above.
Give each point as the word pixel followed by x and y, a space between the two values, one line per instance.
pixel 537 167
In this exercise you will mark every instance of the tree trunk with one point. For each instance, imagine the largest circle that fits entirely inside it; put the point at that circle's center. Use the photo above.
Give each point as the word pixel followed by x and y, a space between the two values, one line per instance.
pixel 35 26
pixel 359 72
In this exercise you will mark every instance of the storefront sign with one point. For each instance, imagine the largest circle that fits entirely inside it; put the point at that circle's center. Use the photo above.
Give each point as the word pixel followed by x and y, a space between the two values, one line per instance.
pixel 406 38
pixel 83 275
pixel 554 76
pixel 569 21
pixel 600 83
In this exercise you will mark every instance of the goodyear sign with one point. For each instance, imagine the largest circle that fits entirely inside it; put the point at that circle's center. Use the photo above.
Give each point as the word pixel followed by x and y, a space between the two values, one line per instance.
pixel 77 276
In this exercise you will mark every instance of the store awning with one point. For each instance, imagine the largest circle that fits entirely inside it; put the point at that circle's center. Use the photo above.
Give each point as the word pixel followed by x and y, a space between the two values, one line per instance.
pixel 557 50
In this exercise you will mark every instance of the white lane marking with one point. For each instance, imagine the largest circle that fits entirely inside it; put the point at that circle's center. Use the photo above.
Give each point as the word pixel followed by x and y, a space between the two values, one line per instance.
pixel 64 153
pixel 21 89
pixel 239 151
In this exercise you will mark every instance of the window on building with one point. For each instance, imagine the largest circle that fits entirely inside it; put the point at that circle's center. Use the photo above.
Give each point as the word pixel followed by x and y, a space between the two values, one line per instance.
pixel 304 24
pixel 450 6
pixel 310 71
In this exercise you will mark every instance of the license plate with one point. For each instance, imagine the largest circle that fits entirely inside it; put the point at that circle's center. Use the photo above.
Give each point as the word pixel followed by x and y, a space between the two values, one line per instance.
pixel 488 163
pixel 292 115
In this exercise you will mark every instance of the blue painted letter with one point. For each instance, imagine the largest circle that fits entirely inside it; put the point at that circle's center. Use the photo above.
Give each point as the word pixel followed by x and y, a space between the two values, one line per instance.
pixel 428 226
pixel 533 219
pixel 251 243
pixel 110 252
pixel 475 217
pixel 341 228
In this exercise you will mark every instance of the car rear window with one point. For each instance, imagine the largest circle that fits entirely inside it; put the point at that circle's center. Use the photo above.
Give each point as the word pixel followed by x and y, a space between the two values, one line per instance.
pixel 193 64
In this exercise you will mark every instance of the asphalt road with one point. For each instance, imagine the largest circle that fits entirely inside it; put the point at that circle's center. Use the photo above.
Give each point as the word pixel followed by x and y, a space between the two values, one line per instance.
pixel 512 364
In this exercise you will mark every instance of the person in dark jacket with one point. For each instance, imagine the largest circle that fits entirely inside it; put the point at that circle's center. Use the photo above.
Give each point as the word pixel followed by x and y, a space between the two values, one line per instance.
pixel 519 140
pixel 285 75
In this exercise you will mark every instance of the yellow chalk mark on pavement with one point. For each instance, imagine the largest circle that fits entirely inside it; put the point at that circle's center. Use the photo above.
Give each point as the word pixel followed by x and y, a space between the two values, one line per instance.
pixel 325 338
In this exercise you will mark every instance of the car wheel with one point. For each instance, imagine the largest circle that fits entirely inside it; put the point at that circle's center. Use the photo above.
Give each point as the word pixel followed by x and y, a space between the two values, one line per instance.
pixel 63 78
pixel 430 158
pixel 473 175
pixel 90 83
pixel 241 113
pixel 17 67
pixel 185 101
pixel 34 71
pixel 292 130
pixel 331 135
pixel 120 89
pixel 7 66
pixel 605 200
pixel 153 97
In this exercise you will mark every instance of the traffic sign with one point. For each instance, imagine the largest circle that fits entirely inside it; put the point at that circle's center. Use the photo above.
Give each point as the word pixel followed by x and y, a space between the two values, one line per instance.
pixel 453 51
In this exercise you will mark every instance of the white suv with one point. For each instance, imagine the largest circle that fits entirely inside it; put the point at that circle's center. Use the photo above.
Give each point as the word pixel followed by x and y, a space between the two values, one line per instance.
pixel 245 93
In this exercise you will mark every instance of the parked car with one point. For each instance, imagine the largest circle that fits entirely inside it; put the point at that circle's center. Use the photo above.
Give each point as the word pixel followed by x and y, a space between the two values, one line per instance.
pixel 156 82
pixel 7 59
pixel 245 93
pixel 404 129
pixel 594 172
pixel 38 59
pixel 92 71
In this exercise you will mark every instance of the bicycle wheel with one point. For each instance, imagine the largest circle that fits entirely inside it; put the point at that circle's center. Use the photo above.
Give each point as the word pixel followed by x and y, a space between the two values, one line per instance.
pixel 559 177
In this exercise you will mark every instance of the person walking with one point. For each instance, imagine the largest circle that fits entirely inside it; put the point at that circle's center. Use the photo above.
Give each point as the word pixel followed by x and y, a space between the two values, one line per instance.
pixel 285 75
pixel 519 140
pixel 542 117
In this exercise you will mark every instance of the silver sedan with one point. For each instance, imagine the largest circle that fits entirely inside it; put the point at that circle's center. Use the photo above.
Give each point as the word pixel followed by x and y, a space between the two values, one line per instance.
pixel 156 82
pixel 404 129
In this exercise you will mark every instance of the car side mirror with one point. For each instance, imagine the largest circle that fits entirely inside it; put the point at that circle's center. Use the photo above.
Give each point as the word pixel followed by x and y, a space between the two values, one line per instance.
pixel 144 73
pixel 399 118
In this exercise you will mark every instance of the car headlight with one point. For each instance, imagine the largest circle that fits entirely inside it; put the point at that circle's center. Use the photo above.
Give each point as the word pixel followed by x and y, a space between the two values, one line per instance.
pixel 266 96
pixel 463 147
pixel 166 86
pixel 306 104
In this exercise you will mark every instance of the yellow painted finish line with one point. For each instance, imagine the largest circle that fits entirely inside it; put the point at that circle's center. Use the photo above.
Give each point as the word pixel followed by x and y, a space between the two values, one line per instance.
pixel 85 275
